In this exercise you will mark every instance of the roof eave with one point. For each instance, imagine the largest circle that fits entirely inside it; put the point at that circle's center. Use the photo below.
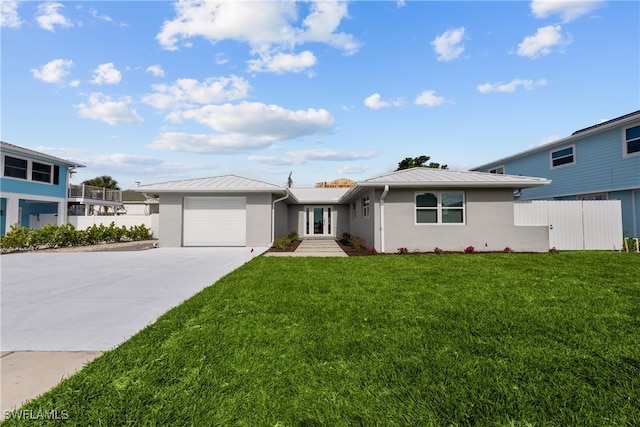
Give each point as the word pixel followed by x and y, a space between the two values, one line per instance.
pixel 160 190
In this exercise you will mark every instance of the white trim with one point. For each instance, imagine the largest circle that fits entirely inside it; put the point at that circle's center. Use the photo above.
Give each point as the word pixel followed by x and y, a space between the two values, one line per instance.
pixel 329 213
pixel 625 142
pixel 382 198
pixel 573 155
pixel 29 172
pixel 439 209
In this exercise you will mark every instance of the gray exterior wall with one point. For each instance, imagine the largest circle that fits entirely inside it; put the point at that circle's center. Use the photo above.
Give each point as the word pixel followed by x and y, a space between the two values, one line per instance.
pixel 489 225
pixel 365 227
pixel 258 217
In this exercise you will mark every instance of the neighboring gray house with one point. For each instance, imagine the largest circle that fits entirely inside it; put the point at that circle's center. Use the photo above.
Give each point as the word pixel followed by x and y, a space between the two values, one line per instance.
pixel 419 209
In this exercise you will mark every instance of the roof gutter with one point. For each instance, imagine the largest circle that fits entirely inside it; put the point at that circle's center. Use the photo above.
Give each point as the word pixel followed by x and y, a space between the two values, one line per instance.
pixel 273 214
pixel 382 198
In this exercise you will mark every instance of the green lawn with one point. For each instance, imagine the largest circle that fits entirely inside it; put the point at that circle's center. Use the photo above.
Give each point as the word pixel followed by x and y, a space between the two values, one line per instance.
pixel 411 340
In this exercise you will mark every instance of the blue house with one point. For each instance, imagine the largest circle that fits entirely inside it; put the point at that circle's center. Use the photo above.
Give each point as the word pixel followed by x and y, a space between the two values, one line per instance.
pixel 33 188
pixel 600 162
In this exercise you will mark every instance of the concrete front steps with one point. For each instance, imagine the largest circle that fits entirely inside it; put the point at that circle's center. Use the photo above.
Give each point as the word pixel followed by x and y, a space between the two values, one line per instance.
pixel 314 248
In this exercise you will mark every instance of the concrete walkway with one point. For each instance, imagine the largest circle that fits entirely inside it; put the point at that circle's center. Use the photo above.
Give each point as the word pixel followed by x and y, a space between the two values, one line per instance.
pixel 314 248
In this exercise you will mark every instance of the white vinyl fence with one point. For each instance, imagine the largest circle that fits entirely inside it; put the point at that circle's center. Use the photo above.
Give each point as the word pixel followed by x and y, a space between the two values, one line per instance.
pixel 150 221
pixel 575 224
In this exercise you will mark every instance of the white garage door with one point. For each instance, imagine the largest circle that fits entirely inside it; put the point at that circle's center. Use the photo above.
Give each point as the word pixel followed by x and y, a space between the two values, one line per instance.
pixel 215 221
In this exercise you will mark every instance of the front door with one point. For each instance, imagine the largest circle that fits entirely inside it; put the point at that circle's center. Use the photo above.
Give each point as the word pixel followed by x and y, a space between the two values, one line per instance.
pixel 318 221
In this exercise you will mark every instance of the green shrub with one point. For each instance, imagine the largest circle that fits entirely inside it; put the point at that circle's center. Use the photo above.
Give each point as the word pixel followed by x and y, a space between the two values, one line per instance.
pixel 285 241
pixel 54 236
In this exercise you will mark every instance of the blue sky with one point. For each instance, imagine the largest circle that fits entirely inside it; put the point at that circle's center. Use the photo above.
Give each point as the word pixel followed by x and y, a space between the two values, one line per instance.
pixel 158 91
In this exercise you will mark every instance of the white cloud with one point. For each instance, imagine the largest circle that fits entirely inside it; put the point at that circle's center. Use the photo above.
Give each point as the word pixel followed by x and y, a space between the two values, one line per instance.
pixel 375 102
pixel 96 15
pixel 102 107
pixel 352 169
pixel 122 160
pixel 567 9
pixel 9 14
pixel 53 71
pixel 48 16
pixel 106 74
pixel 448 46
pixel 242 127
pixel 283 62
pixel 304 156
pixel 210 144
pixel 156 70
pixel 257 119
pixel 187 92
pixel 269 28
pixel 511 86
pixel 429 98
pixel 542 42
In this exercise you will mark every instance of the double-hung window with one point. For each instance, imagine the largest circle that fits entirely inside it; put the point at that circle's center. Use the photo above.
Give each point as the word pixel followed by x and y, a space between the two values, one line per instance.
pixel 40 172
pixel 365 207
pixel 631 140
pixel 498 170
pixel 15 167
pixel 440 207
pixel 563 157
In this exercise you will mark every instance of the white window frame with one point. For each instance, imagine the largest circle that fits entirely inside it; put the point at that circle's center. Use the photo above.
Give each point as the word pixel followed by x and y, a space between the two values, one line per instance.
pixel 51 172
pixel 625 142
pixel 439 208
pixel 30 162
pixel 497 170
pixel 366 207
pixel 573 154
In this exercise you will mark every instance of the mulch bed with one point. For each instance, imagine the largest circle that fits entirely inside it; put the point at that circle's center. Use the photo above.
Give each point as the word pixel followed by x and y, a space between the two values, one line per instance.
pixel 292 247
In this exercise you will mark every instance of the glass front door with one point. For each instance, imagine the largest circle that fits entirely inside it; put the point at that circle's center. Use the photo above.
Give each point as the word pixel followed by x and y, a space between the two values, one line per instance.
pixel 318 221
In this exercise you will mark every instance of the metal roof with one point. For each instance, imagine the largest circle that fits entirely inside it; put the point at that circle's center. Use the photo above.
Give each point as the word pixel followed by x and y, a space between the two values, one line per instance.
pixel 579 134
pixel 438 177
pixel 5 146
pixel 424 177
pixel 225 183
pixel 317 195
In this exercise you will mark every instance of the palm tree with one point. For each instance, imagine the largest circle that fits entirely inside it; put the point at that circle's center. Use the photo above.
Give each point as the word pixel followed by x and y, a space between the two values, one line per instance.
pixel 104 181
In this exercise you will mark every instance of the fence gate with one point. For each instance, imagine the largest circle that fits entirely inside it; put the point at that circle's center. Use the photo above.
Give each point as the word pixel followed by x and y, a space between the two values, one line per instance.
pixel 575 224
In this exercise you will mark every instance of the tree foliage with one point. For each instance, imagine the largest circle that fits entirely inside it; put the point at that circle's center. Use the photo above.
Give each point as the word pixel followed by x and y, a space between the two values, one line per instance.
pixel 104 181
pixel 417 162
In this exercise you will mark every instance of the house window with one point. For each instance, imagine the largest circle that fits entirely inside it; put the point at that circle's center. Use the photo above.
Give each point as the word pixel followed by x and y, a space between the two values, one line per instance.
pixel 593 196
pixel 40 172
pixel 355 211
pixel 365 207
pixel 499 170
pixel 632 140
pixel 563 157
pixel 440 207
pixel 15 168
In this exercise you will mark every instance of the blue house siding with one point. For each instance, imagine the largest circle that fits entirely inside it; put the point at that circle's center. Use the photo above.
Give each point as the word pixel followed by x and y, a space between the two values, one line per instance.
pixel 21 186
pixel 600 166
pixel 23 193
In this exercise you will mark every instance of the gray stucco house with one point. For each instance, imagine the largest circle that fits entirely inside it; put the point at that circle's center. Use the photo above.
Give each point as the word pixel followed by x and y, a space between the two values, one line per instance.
pixel 419 209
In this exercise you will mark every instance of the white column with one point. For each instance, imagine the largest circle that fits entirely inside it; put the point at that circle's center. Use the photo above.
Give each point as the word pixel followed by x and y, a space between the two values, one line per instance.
pixel 13 212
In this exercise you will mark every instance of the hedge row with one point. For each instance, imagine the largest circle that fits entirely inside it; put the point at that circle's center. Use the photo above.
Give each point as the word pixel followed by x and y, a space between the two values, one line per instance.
pixel 60 236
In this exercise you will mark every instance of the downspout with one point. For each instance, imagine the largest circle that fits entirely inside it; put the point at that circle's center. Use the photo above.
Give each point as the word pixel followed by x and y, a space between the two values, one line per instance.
pixel 273 216
pixel 382 197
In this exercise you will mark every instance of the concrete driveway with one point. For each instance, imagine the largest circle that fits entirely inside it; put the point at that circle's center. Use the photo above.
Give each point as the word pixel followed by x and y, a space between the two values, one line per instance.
pixel 71 301
pixel 60 310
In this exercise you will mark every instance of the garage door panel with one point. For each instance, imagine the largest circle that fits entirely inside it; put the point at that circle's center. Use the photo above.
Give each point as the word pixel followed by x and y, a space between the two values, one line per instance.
pixel 215 221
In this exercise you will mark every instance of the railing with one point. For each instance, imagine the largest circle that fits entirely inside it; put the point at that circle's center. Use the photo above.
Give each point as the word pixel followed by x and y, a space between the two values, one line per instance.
pixel 94 193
